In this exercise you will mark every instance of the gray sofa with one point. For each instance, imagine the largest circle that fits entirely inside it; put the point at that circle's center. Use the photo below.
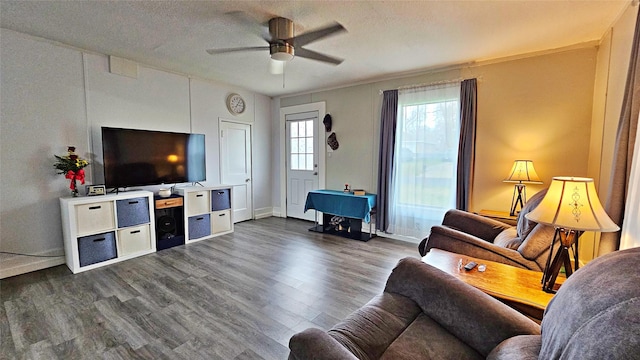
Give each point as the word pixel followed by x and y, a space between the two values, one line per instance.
pixel 525 245
pixel 425 313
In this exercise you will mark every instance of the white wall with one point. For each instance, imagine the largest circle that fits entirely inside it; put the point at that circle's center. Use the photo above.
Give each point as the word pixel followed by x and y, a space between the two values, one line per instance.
pixel 275 156
pixel 54 96
pixel 207 107
pixel 42 111
pixel 155 100
pixel 263 171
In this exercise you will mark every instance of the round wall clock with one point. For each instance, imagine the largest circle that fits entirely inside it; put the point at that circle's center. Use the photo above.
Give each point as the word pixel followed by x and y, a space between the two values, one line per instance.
pixel 236 104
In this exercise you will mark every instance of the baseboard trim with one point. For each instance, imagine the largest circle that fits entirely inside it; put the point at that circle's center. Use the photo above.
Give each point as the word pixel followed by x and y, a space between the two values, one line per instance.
pixel 263 213
pixel 12 265
pixel 398 237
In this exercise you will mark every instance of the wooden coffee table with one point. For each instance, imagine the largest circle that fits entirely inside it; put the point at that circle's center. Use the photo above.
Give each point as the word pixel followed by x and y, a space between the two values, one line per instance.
pixel 519 288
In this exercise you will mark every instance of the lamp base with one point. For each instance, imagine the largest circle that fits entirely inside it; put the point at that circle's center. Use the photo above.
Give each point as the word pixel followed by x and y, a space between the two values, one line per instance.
pixel 519 198
pixel 568 239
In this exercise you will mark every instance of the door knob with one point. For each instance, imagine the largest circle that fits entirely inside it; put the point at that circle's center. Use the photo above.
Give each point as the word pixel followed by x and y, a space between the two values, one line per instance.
pixel 247 180
pixel 315 173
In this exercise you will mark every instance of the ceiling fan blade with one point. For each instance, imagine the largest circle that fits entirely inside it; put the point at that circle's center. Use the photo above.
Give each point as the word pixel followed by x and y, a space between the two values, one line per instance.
pixel 309 54
pixel 315 35
pixel 229 50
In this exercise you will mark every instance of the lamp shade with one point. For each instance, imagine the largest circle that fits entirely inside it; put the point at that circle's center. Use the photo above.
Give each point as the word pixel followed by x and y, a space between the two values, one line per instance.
pixel 572 203
pixel 523 171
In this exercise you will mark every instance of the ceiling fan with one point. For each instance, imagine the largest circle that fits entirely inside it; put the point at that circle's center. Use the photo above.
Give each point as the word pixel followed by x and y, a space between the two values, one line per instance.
pixel 283 45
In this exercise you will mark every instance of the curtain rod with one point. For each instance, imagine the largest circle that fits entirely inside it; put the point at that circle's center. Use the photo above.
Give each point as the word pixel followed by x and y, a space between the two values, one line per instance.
pixel 441 82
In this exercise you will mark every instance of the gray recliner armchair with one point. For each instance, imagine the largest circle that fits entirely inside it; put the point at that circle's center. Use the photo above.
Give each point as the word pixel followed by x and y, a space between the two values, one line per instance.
pixel 425 313
pixel 525 245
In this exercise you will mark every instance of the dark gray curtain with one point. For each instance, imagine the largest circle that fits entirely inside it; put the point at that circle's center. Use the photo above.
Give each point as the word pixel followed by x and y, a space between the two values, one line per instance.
pixel 389 119
pixel 466 146
pixel 623 154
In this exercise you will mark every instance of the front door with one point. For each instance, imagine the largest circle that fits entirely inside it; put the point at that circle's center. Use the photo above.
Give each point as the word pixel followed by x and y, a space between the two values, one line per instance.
pixel 301 161
pixel 235 167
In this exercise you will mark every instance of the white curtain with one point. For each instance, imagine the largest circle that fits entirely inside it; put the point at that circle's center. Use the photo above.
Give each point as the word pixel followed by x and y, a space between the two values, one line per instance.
pixel 426 153
pixel 630 236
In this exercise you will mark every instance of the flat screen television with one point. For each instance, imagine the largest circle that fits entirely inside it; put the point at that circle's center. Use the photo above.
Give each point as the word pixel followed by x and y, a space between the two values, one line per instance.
pixel 143 157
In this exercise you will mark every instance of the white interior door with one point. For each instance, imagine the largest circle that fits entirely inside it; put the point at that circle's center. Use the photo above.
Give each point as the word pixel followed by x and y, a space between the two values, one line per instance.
pixel 235 167
pixel 302 161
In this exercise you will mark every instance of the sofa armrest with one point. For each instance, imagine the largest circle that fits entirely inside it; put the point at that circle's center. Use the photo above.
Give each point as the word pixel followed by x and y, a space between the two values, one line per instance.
pixel 316 344
pixel 476 318
pixel 473 224
pixel 455 241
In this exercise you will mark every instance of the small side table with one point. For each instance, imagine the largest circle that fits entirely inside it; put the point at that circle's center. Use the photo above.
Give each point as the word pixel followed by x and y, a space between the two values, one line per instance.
pixel 521 289
pixel 352 208
pixel 500 216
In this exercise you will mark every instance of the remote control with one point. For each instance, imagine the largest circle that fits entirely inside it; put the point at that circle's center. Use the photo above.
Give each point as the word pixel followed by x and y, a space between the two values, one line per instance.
pixel 470 266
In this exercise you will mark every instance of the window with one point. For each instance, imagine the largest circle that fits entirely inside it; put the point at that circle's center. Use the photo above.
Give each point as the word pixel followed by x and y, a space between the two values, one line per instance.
pixel 426 153
pixel 301 144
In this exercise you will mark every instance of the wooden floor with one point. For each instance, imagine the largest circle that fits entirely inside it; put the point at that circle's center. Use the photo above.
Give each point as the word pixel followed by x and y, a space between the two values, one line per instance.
pixel 239 296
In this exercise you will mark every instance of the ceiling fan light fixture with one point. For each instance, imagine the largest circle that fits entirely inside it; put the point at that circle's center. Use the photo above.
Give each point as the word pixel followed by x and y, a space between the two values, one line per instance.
pixel 282 56
pixel 276 67
pixel 282 52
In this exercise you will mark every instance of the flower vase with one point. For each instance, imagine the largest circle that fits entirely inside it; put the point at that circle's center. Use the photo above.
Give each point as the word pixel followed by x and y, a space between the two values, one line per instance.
pixel 71 166
pixel 74 188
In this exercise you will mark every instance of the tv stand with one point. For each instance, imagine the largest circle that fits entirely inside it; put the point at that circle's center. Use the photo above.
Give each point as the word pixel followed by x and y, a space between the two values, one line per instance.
pixel 169 221
pixel 103 230
pixel 207 212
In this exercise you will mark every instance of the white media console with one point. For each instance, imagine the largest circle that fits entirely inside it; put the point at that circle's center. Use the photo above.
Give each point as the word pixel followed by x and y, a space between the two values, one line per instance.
pixel 102 230
pixel 207 212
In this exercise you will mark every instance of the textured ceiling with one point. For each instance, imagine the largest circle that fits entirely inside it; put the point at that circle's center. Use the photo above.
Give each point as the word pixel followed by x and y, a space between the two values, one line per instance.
pixel 384 38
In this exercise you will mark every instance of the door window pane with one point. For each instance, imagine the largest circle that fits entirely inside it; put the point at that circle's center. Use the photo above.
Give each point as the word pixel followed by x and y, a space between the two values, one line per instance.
pixel 301 145
pixel 309 162
pixel 309 128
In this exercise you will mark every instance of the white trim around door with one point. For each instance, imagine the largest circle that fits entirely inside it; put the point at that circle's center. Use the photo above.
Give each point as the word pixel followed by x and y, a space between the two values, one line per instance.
pixel 320 107
pixel 241 181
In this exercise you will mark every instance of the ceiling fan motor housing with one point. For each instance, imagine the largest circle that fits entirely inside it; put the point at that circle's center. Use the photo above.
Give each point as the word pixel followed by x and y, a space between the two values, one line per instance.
pixel 281 29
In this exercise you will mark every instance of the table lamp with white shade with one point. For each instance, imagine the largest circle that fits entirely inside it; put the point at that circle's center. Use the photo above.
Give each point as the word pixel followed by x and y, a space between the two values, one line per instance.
pixel 521 172
pixel 571 206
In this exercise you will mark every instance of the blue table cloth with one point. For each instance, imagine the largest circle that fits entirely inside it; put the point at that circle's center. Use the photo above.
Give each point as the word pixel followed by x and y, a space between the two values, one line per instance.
pixel 341 203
